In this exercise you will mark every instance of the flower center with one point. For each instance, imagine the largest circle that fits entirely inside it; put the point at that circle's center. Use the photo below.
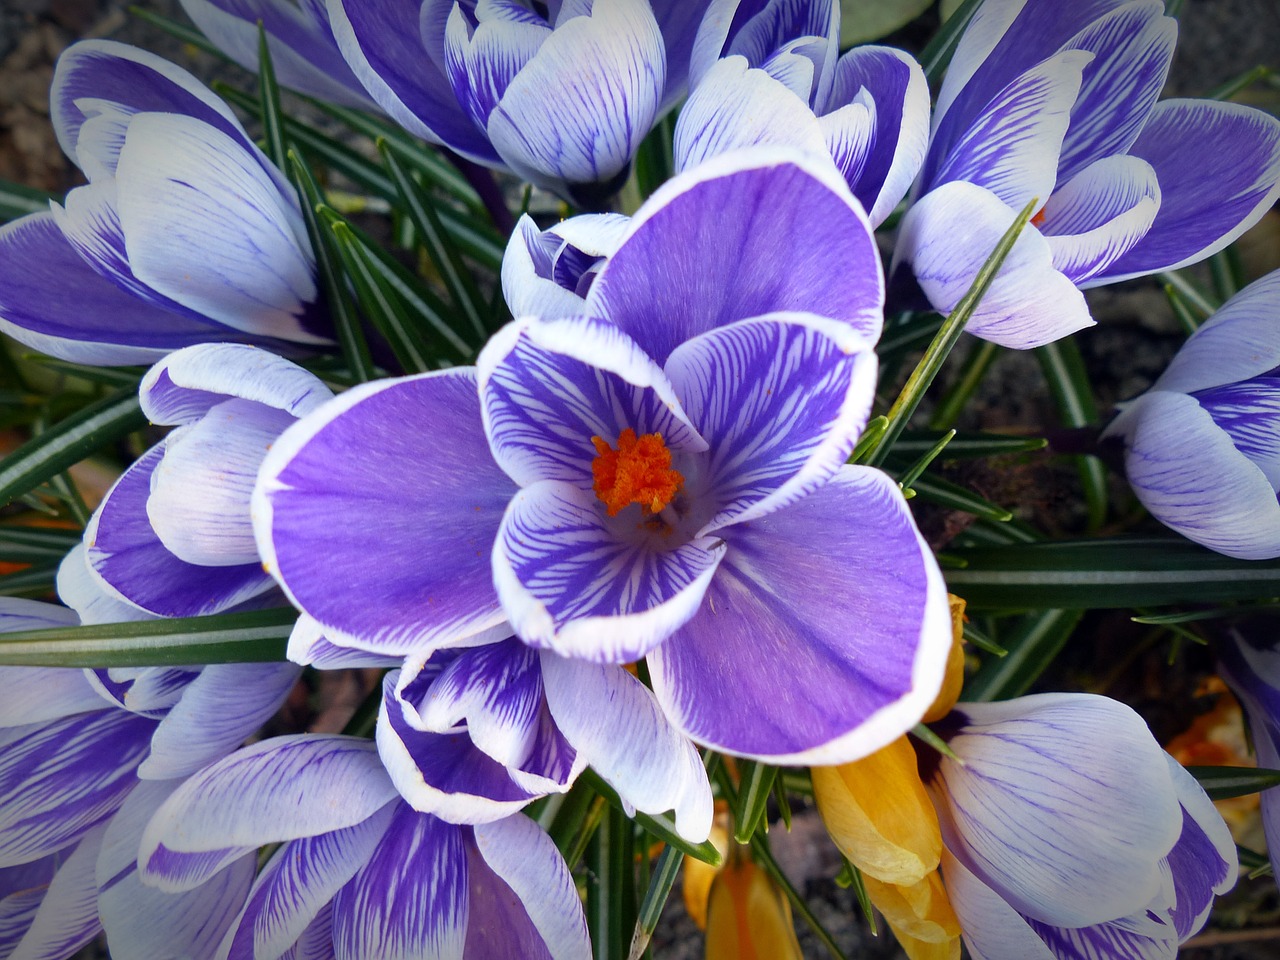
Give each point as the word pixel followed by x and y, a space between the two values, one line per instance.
pixel 638 471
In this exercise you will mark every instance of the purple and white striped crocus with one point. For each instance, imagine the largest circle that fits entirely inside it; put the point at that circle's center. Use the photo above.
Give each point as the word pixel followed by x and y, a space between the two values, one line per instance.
pixel 547 273
pixel 1057 102
pixel 1202 446
pixel 184 234
pixel 766 72
pixel 560 93
pixel 303 51
pixel 173 536
pixel 359 873
pixel 663 475
pixel 1069 834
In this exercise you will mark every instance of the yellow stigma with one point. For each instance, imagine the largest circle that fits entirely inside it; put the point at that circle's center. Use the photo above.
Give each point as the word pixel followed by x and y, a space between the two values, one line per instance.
pixel 638 471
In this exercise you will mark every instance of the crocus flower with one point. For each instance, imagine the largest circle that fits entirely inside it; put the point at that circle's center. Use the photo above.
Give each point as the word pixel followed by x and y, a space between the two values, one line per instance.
pixel 1057 102
pixel 173 536
pixel 303 52
pixel 359 873
pixel 560 94
pixel 1202 446
pixel 184 234
pixel 1069 833
pixel 779 82
pixel 547 273
pixel 664 474
pixel 748 917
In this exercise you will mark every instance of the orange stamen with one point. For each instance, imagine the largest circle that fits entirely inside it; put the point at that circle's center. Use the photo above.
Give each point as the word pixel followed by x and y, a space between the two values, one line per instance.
pixel 639 471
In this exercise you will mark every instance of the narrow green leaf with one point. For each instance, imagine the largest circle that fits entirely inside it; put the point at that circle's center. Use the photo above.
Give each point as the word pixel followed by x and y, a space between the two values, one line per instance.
pixel 269 100
pixel 870 437
pixel 655 898
pixel 964 446
pixel 912 473
pixel 1228 90
pixel 1190 616
pixel 1072 394
pixel 753 799
pixel 20 544
pixel 1192 294
pixel 861 22
pixel 931 739
pixel 1107 572
pixel 980 640
pixel 662 826
pixel 570 817
pixel 256 636
pixel 365 720
pixel 784 804
pixel 947 494
pixel 607 915
pixel 850 877
pixel 109 376
pixel 653 164
pixel 69 441
pixel 1227 274
pixel 1223 783
pixel 937 54
pixel 1186 315
pixel 17 200
pixel 1254 862
pixel 179 30
pixel 34 581
pixel 909 334
pixel 764 856
pixel 940 347
pixel 1032 645
pixel 982 354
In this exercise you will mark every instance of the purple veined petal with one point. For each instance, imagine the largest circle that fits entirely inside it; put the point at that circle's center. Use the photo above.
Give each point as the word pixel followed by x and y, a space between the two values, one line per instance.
pixel 615 723
pixel 797 65
pixel 94 75
pixel 548 387
pixel 219 710
pixel 188 383
pixel 297 885
pixel 740 106
pixel 1133 48
pixel 1188 473
pixel 585 585
pixel 81 589
pixel 316 942
pixel 533 267
pixel 1208 197
pixel 136 567
pixel 147 691
pixel 59 779
pixel 205 226
pixel 849 133
pixel 141 921
pixel 992 929
pixel 897 85
pixel 837 596
pixel 405 464
pixel 756 28
pixel 309 646
pixel 1099 215
pixel 578 110
pixel 1052 789
pixel 54 302
pixel 1249 412
pixel 100 139
pixel 445 774
pixel 678 22
pixel 275 790
pixel 781 400
pixel 303 51
pixel 200 489
pixel 22 889
pixel 41 694
pixel 1012 147
pixel 521 860
pixel 762 201
pixel 946 237
pixel 411 898
pixel 382 43
pixel 1239 342
pixel 1204 860
pixel 67 917
pixel 1106 941
pixel 482 59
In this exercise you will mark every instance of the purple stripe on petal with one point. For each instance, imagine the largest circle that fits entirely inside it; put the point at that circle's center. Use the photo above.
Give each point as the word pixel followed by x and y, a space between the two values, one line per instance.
pixel 1249 413
pixel 993 930
pixel 1203 862
pixel 1102 941
pixel 40 694
pixel 405 465
pixel 823 634
pixel 482 60
pixel 22 890
pixel 67 917
pixel 761 201
pixel 146 691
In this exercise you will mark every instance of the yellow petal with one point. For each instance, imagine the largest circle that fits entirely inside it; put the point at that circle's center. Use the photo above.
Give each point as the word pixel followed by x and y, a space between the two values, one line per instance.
pixel 878 813
pixel 698 875
pixel 748 917
pixel 920 915
pixel 953 680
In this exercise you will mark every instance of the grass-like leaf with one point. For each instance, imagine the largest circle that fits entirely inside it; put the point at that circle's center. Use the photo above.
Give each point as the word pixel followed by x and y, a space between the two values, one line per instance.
pixel 1223 783
pixel 662 826
pixel 1031 647
pixel 17 200
pixel 753 799
pixel 1064 371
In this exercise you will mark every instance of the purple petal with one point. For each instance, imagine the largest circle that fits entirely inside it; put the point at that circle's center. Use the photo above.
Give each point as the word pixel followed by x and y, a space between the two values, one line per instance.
pixel 67 917
pixel 22 889
pixel 59 779
pixel 780 400
pixel 993 930
pixel 52 301
pixel 276 790
pixel 761 201
pixel 1012 147
pixel 948 235
pixel 756 29
pixel 548 388
pixel 616 725
pixel 521 886
pixel 1204 862
pixel 678 22
pixel 309 647
pixel 411 898
pixel 41 694
pixel 536 280
pixel 147 691
pixel 221 708
pixel 578 110
pixel 1061 802
pixel 1209 197
pixel 823 634
pixel 406 465
pixel 583 584
pixel 129 557
pixel 481 61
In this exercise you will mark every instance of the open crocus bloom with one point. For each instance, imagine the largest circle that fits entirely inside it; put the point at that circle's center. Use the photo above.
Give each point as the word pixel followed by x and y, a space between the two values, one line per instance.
pixel 1057 102
pixel 664 475
pixel 1202 446
pixel 184 234
pixel 1069 833
pixel 359 873
pixel 778 82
